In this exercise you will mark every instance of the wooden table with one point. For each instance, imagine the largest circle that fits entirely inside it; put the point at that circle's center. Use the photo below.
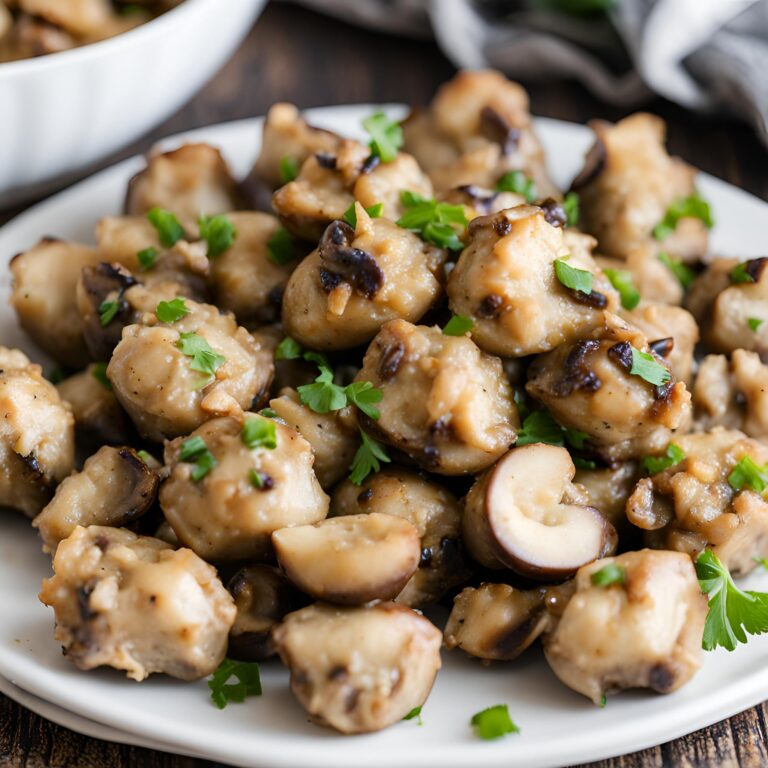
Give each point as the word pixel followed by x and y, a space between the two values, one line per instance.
pixel 295 55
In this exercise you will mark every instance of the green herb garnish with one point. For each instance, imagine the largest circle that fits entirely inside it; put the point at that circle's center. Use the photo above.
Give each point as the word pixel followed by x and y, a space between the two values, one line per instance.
pixel 572 277
pixel 248 682
pixel 687 207
pixel 519 183
pixel 540 427
pixel 438 223
pixel 204 358
pixel 364 395
pixel 684 274
pixel 493 722
pixel 280 247
pixel 147 258
pixel 288 349
pixel 107 312
pixel 219 232
pixel 99 372
pixel 740 274
pixel 374 211
pixel 367 459
pixel 754 323
pixel 571 206
pixel 648 368
pixel 257 479
pixel 289 168
pixel 323 396
pixel 195 451
pixel 608 575
pixel 259 433
pixel 386 136
pixel 621 280
pixel 672 457
pixel 458 325
pixel 413 714
pixel 171 311
pixel 748 474
pixel 167 226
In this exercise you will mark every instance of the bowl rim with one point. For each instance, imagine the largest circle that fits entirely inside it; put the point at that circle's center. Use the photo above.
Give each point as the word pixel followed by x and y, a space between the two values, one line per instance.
pixel 73 56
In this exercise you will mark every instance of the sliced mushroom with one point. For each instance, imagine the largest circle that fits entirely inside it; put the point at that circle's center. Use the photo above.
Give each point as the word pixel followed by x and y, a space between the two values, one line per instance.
pixel 525 514
pixel 435 513
pixel 350 560
pixel 359 669
pixel 114 488
pixel 136 604
pixel 263 596
pixel 43 295
pixel 643 631
pixel 495 621
pixel 608 489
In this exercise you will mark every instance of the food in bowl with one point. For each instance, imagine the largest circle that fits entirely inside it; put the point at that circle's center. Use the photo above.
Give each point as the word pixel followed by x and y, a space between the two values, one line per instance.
pixel 372 379
pixel 30 28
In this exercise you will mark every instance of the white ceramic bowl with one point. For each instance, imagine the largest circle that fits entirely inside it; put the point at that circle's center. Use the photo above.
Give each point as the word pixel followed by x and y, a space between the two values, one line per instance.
pixel 63 112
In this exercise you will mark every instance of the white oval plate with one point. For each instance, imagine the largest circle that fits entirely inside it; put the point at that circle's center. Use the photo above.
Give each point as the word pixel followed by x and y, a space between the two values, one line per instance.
pixel 558 726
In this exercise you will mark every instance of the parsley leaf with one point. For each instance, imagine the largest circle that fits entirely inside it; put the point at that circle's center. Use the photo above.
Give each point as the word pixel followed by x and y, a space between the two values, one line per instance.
pixel 147 457
pixel 259 433
pixel 107 312
pixel 621 280
pixel 687 207
pixel 458 325
pixel 648 368
pixel 269 413
pixel 248 682
pixel 195 451
pixel 367 459
pixel 748 473
pixel 608 575
pixel 289 168
pixel 540 427
pixel 169 231
pixel 288 349
pixel 684 274
pixel 171 311
pixel 364 395
pixel 260 480
pixel 413 714
pixel 519 183
pixel 741 274
pixel 219 232
pixel 323 395
pixel 386 136
pixel 374 211
pixel 762 561
pixel 754 323
pixel 280 248
pixel 147 258
pixel 438 223
pixel 204 359
pixel 99 372
pixel 733 613
pixel 672 457
pixel 493 722
pixel 572 277
pixel 571 206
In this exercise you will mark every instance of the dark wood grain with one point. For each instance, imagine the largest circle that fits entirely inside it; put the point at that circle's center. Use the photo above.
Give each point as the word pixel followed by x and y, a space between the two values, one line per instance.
pixel 295 55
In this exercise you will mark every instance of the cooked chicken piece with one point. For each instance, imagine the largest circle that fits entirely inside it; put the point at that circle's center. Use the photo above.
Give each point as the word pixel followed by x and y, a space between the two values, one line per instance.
pixel 495 621
pixel 171 377
pixel 671 332
pixel 287 135
pixel 230 511
pixel 608 489
pixel 333 436
pixel 526 514
pixel 589 386
pixel 446 403
pixel 82 18
pixel 428 506
pixel 729 300
pixel 477 128
pixel 133 603
pixel 99 419
pixel 359 669
pixel 190 181
pixel 654 281
pixel 479 201
pixel 43 295
pixel 263 596
pixel 114 488
pixel 37 436
pixel 692 505
pixel 628 184
pixel 328 184
pixel 30 36
pixel 506 281
pixel 642 631
pixel 358 279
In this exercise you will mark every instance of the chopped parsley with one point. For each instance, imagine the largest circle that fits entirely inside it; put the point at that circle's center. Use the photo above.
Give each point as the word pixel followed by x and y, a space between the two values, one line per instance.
pixel 258 479
pixel 269 413
pixel 386 136
pixel 671 458
pixel 438 223
pixel 748 474
pixel 204 359
pixel 519 183
pixel 413 714
pixel 684 274
pixel 374 211
pixel 571 206
pixel 458 325
pixel 494 722
pixel 195 451
pixel 99 372
pixel 733 613
pixel 762 561
pixel 107 312
pixel 147 258
pixel 248 683
pixel 367 459
pixel 741 274
pixel 289 168
pixel 288 349
pixel 754 323
pixel 146 457
pixel 687 207
pixel 608 575
pixel 648 368
pixel 280 247
pixel 540 427
pixel 621 280
pixel 219 232
pixel 259 433
pixel 572 277
pixel 167 226
pixel 171 311
pixel 364 395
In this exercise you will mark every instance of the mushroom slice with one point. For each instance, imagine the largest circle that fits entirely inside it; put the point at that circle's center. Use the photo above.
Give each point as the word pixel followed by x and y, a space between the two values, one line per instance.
pixel 359 669
pixel 521 514
pixel 262 597
pixel 495 621
pixel 114 488
pixel 350 559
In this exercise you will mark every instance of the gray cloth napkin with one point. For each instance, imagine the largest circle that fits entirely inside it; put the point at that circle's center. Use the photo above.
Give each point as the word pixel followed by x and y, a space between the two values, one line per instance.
pixel 708 55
